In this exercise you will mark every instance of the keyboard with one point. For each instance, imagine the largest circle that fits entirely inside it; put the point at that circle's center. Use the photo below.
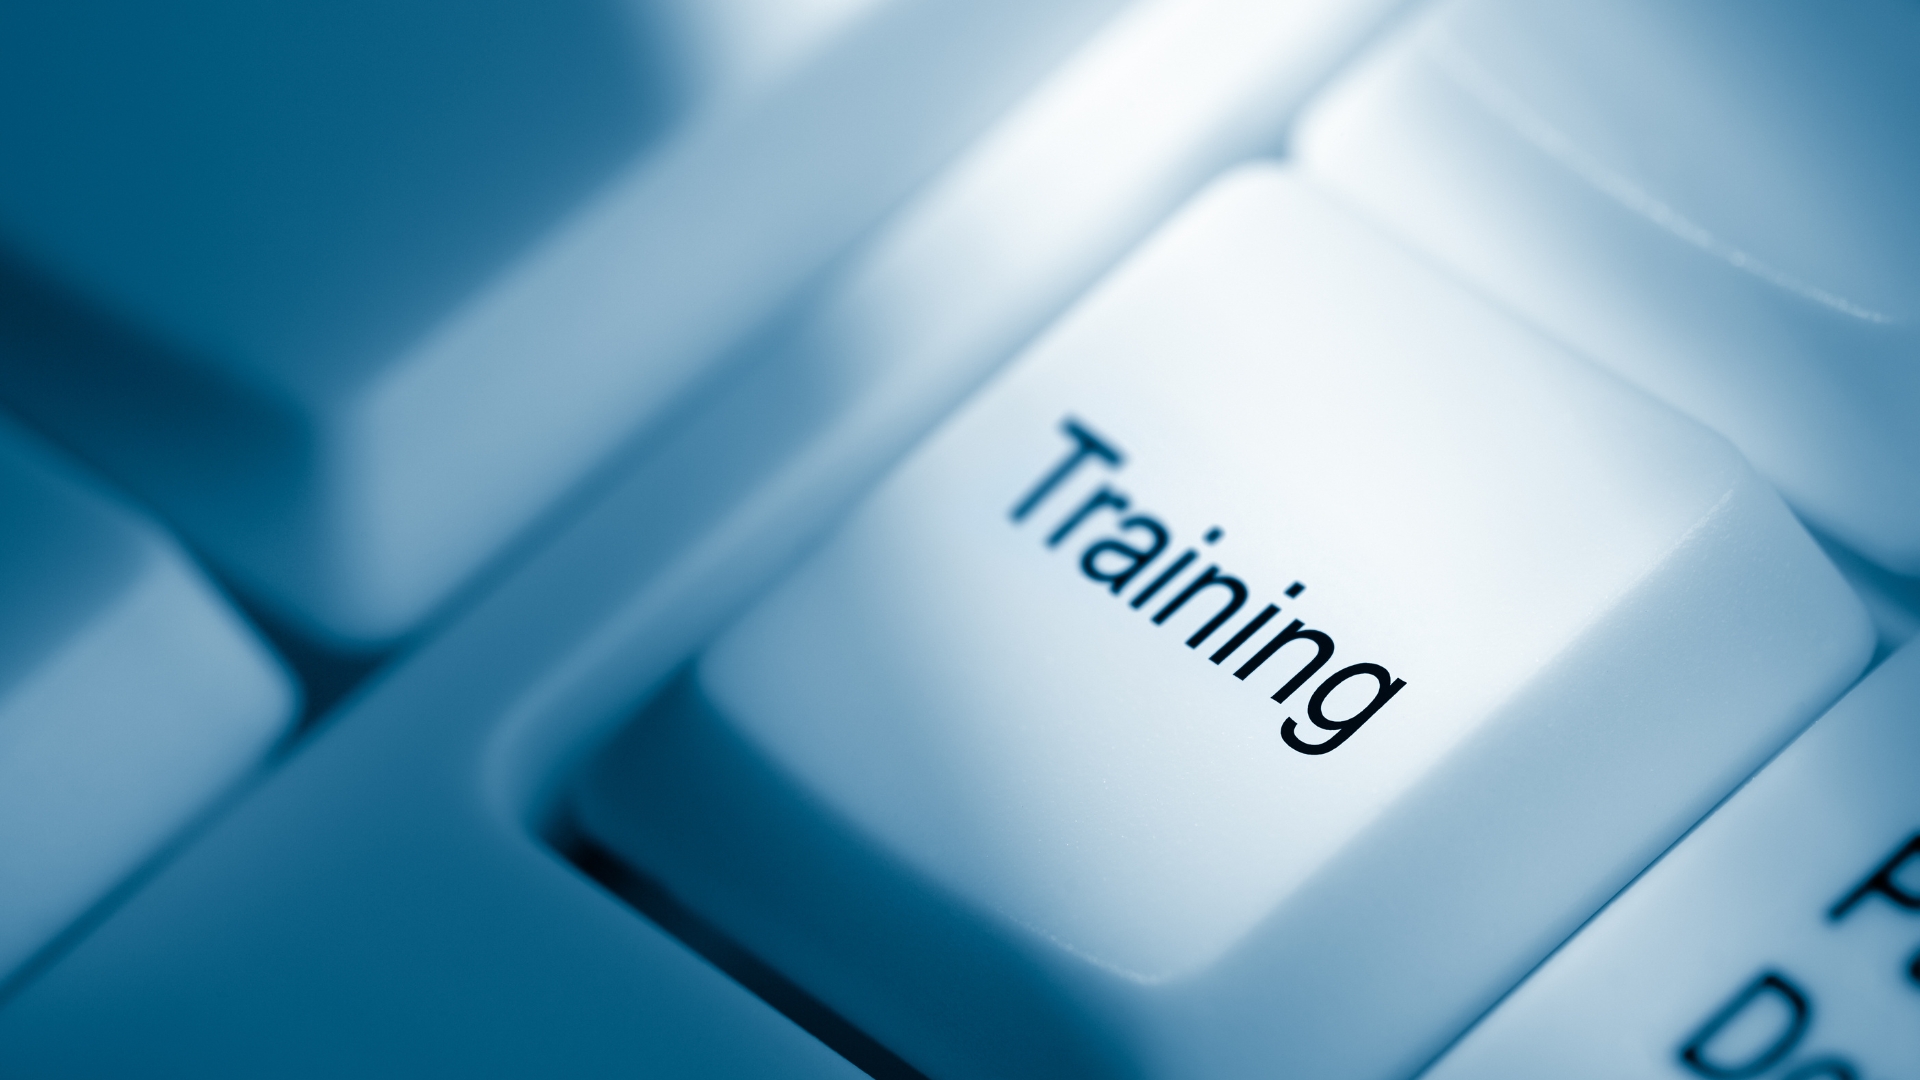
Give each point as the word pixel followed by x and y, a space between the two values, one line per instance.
pixel 1140 539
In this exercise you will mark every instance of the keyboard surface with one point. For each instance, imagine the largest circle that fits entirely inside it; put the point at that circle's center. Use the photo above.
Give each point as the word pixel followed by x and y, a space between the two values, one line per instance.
pixel 1111 538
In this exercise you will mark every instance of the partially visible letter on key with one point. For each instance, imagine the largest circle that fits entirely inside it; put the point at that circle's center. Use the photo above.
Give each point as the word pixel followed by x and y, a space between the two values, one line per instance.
pixel 1779 941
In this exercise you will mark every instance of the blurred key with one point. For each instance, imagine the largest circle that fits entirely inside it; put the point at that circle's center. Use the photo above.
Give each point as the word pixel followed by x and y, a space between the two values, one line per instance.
pixel 130 694
pixel 1257 679
pixel 1712 198
pixel 1781 939
pixel 353 292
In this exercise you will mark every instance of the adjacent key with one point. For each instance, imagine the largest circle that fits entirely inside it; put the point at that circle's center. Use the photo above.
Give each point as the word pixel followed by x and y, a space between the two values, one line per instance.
pixel 1713 199
pixel 1258 678
pixel 131 696
pixel 1780 940
pixel 352 293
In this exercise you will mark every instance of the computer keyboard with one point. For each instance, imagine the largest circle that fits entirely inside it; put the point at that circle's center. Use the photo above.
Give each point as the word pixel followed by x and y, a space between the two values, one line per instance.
pixel 1186 538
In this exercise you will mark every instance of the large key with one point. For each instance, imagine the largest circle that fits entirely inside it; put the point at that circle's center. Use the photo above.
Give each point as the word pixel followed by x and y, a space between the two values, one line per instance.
pixel 1258 678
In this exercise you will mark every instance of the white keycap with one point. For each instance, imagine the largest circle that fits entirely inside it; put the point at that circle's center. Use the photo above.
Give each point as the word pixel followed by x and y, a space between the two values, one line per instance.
pixel 130 694
pixel 1018 802
pixel 1714 199
pixel 376 286
pixel 1780 939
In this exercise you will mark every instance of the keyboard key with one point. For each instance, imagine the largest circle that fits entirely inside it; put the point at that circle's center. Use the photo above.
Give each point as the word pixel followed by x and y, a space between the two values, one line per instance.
pixel 377 286
pixel 130 694
pixel 1780 939
pixel 1713 199
pixel 1187 703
